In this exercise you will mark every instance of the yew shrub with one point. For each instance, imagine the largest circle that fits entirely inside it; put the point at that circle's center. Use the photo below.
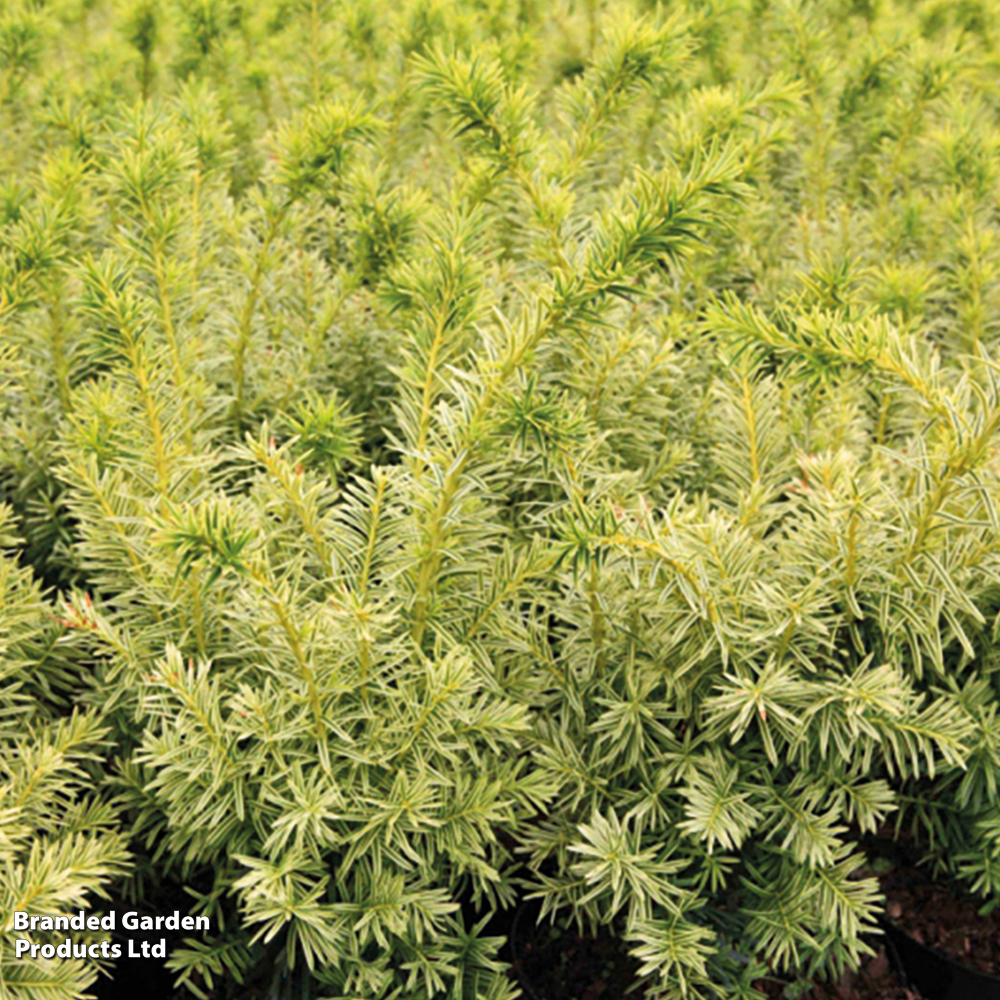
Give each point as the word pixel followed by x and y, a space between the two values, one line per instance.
pixel 456 452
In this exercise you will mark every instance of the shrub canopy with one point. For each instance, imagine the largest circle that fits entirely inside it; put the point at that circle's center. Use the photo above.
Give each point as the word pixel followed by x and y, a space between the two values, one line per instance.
pixel 457 451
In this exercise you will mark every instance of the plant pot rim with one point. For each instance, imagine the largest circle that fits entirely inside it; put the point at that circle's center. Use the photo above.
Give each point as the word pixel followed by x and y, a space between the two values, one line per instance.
pixel 936 971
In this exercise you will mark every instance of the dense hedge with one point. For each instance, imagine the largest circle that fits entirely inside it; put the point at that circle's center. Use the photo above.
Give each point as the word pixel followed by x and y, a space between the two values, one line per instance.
pixel 460 451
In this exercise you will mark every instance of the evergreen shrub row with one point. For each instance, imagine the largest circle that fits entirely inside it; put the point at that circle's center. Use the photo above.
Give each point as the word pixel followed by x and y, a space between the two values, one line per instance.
pixel 454 451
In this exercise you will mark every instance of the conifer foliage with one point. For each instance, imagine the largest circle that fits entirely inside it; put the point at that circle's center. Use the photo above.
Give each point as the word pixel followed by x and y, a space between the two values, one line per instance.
pixel 457 452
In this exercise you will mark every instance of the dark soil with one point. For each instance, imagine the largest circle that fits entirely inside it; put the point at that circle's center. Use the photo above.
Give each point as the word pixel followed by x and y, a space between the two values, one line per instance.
pixel 940 916
pixel 875 980
pixel 140 977
pixel 558 962
pixel 146 978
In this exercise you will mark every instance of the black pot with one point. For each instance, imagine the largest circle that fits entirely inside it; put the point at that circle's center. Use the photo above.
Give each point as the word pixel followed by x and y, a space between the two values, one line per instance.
pixel 933 974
